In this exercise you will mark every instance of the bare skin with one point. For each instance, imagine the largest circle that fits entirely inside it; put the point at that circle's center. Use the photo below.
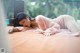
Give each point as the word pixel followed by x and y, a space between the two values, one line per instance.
pixel 26 26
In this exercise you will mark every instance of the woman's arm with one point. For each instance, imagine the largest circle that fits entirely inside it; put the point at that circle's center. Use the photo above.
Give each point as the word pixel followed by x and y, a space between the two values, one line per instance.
pixel 18 29
pixel 52 30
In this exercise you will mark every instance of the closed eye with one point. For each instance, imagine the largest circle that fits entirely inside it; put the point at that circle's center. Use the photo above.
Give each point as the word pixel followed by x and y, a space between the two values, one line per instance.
pixel 22 22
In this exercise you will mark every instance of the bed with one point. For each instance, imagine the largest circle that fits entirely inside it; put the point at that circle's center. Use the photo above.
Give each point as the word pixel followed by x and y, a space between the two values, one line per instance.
pixel 32 42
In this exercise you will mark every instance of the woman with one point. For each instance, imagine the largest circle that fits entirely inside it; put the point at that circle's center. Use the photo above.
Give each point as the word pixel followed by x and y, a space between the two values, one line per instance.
pixel 27 22
pixel 47 26
pixel 24 22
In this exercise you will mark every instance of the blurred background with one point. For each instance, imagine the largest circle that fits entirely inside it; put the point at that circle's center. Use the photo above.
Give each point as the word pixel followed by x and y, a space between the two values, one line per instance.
pixel 49 8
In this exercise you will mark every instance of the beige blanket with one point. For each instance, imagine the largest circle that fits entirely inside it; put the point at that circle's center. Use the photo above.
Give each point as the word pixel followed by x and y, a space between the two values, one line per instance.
pixel 31 42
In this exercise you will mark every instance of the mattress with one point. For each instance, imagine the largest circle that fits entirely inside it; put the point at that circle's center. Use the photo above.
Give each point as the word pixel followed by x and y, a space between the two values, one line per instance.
pixel 32 42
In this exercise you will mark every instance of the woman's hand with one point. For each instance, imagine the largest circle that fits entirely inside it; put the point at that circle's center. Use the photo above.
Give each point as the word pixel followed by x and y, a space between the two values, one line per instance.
pixel 12 30
pixel 51 31
pixel 47 33
pixel 18 29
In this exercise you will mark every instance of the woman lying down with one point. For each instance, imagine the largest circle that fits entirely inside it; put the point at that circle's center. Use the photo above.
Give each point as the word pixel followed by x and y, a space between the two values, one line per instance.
pixel 64 23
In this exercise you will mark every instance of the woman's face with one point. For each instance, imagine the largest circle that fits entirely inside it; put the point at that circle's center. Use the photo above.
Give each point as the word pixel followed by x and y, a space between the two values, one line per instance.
pixel 25 22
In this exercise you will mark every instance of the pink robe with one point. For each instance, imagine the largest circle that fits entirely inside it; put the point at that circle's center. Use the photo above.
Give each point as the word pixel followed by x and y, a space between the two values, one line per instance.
pixel 63 23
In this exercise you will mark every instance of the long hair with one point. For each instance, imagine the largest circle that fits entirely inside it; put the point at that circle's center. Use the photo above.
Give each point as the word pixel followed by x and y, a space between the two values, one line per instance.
pixel 20 16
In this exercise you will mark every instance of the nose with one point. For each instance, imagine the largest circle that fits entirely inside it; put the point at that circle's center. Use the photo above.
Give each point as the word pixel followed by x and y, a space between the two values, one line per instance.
pixel 25 25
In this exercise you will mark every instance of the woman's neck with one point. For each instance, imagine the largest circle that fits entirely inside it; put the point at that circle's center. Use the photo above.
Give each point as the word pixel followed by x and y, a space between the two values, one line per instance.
pixel 34 24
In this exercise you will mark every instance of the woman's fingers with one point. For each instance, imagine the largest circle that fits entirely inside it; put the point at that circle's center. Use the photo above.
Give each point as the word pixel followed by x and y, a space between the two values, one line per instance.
pixel 12 30
pixel 47 34
pixel 16 30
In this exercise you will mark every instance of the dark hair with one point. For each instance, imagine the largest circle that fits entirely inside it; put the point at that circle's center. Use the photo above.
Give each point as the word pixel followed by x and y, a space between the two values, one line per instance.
pixel 20 16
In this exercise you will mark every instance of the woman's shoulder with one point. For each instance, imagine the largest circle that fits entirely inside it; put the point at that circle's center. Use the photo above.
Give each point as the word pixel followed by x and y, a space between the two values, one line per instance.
pixel 33 23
